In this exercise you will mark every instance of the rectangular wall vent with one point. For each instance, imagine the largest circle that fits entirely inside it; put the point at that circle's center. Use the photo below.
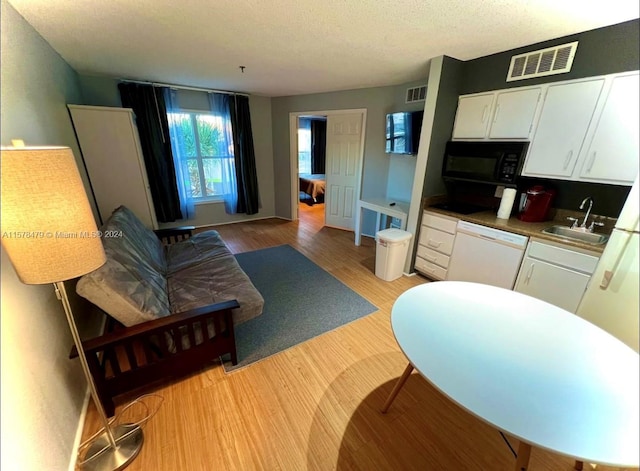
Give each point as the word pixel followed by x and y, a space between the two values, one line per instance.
pixel 416 94
pixel 550 61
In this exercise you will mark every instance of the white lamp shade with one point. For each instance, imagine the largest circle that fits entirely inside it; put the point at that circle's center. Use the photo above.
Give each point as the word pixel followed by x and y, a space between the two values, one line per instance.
pixel 48 228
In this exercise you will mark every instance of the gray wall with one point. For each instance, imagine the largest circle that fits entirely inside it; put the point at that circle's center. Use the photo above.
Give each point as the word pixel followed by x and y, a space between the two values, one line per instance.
pixel 381 172
pixel 446 106
pixel 42 390
pixel 600 51
pixel 439 111
pixel 402 167
pixel 103 91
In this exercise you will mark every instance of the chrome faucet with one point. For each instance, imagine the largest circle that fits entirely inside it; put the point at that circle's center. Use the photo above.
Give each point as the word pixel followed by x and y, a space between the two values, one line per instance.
pixel 586 216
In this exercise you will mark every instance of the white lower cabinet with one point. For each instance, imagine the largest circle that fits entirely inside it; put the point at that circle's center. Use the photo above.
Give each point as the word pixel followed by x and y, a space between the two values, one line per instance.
pixel 555 274
pixel 435 243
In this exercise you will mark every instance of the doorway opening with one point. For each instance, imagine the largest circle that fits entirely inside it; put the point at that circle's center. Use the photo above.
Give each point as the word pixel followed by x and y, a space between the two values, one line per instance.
pixel 312 145
pixel 342 167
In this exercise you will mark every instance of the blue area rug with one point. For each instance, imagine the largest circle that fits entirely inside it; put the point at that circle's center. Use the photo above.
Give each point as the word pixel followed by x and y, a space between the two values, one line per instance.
pixel 301 301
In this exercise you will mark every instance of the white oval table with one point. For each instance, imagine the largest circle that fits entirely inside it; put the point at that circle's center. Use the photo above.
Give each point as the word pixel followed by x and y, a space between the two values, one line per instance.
pixel 530 369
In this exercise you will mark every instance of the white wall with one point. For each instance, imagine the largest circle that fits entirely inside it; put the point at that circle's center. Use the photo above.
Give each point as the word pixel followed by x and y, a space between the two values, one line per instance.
pixel 42 390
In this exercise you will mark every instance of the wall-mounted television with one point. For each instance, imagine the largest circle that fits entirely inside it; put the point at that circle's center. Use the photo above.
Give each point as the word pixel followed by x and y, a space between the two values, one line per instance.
pixel 403 132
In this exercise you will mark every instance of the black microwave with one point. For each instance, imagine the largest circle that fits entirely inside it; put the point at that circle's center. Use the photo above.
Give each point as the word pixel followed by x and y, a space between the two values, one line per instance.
pixel 493 162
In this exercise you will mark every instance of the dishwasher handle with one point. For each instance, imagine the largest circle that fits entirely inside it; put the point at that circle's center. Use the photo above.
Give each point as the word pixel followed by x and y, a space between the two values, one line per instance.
pixel 485 237
pixel 492 235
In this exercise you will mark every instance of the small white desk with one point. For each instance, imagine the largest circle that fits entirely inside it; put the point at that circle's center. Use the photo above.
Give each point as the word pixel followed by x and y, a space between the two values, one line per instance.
pixel 382 206
pixel 531 369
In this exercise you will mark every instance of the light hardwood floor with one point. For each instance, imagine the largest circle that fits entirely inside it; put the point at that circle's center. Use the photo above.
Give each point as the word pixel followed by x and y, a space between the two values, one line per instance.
pixel 316 406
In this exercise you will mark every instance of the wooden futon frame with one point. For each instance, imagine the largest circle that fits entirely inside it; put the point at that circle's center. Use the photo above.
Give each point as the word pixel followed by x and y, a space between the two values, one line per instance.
pixel 127 358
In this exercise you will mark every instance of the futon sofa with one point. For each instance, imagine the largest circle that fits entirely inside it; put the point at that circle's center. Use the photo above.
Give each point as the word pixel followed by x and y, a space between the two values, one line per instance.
pixel 175 296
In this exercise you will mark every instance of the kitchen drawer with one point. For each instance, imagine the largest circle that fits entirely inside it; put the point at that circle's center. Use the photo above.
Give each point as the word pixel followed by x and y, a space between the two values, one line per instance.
pixel 439 222
pixel 433 256
pixel 563 257
pixel 430 269
pixel 436 240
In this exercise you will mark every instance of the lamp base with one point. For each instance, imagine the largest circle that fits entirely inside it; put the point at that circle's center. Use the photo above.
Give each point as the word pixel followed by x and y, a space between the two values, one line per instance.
pixel 100 456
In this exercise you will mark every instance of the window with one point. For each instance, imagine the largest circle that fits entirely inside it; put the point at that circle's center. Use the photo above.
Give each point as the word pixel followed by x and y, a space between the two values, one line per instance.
pixel 304 145
pixel 206 152
pixel 396 124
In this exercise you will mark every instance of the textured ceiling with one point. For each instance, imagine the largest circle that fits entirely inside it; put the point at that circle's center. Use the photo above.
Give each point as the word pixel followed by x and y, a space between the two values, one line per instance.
pixel 292 47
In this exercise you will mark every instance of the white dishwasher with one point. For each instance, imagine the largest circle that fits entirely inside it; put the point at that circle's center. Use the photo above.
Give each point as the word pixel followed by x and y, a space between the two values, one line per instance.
pixel 485 255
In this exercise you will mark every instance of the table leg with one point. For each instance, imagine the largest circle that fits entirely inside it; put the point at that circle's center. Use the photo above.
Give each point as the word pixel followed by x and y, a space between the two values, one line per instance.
pixel 403 223
pixel 358 228
pixel 524 453
pixel 396 389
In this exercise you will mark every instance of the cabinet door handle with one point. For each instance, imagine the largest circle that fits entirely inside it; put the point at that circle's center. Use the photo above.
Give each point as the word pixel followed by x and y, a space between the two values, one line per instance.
pixel 431 258
pixel 567 160
pixel 591 162
pixel 495 117
pixel 433 243
pixel 528 278
pixel 484 113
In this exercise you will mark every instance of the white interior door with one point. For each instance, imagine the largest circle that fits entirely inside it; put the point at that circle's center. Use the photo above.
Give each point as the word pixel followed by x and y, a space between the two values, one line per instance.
pixel 343 167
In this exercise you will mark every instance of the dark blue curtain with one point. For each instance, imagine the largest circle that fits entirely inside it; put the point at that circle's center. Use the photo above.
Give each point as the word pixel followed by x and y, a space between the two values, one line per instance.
pixel 245 158
pixel 149 107
pixel 318 145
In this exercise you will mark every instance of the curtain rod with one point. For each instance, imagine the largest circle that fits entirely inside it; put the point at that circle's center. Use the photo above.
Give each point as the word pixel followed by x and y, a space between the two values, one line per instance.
pixel 182 87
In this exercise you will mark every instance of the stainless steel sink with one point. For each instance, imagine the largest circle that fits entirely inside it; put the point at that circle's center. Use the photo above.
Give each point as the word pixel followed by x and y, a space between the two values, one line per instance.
pixel 566 232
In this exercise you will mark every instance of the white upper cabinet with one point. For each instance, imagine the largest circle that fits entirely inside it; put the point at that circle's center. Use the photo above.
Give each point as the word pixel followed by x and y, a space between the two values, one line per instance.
pixel 503 114
pixel 514 113
pixel 588 131
pixel 566 113
pixel 473 116
pixel 611 148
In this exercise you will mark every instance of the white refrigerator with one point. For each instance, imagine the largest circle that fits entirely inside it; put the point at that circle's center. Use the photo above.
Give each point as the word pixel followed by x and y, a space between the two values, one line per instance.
pixel 611 298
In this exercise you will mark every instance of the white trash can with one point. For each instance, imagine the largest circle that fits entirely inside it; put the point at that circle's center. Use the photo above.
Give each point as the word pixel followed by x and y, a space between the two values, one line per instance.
pixel 392 246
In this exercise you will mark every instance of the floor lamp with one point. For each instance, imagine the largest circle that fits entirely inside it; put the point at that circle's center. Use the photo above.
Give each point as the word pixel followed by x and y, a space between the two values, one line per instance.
pixel 50 236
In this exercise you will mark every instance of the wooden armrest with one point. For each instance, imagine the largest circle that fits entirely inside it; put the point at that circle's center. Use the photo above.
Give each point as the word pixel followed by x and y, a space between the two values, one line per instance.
pixel 173 320
pixel 175 231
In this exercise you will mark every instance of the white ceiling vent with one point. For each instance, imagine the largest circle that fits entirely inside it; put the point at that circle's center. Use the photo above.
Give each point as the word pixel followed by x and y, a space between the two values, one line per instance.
pixel 550 61
pixel 416 94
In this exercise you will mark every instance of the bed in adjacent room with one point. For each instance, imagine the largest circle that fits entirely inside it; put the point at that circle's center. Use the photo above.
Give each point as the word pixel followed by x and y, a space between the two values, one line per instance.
pixel 313 184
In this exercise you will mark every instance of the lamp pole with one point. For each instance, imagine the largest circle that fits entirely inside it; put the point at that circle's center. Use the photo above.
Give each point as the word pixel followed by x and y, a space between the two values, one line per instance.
pixel 43 195
pixel 61 294
pixel 106 453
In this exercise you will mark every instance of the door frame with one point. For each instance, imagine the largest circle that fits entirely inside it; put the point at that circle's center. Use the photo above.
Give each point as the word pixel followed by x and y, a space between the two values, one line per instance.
pixel 293 151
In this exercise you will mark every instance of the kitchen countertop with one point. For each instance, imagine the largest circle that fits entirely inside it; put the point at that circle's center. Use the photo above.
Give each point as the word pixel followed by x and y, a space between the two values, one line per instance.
pixel 530 229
